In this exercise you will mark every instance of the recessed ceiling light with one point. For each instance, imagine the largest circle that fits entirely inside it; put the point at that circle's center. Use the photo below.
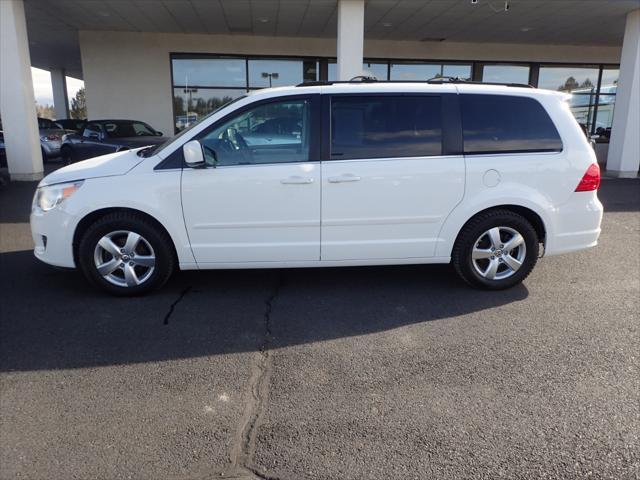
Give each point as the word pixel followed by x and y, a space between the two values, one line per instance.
pixel 263 19
pixel 526 29
pixel 387 24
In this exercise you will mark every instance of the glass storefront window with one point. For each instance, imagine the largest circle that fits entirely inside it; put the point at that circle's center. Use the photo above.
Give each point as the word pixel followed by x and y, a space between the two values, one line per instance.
pixel 378 70
pixel 426 71
pixel 191 104
pixel 568 79
pixel 209 72
pixel 459 71
pixel 415 71
pixel 282 72
pixel 505 73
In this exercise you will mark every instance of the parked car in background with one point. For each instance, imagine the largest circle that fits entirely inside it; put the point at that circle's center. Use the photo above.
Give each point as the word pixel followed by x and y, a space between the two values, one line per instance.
pixel 481 176
pixel 51 135
pixel 3 152
pixel 72 124
pixel 99 137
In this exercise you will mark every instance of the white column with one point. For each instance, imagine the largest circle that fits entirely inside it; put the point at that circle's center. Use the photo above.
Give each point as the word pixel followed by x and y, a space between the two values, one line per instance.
pixel 624 149
pixel 350 38
pixel 17 103
pixel 60 97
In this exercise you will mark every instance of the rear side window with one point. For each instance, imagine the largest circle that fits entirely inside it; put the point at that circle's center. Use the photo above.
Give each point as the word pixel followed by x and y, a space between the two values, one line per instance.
pixel 507 124
pixel 365 126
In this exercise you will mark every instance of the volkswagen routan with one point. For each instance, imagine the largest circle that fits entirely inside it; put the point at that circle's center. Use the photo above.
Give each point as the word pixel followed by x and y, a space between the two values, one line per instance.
pixel 488 178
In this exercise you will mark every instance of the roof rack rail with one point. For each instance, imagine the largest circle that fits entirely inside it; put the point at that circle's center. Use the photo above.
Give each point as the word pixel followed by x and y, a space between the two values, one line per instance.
pixel 432 81
pixel 473 82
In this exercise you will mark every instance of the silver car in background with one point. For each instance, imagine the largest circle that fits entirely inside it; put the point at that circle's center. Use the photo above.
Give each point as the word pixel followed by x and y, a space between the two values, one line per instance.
pixel 50 138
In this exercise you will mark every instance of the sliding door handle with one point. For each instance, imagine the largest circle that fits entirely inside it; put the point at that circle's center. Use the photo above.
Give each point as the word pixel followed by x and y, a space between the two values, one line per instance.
pixel 296 180
pixel 347 177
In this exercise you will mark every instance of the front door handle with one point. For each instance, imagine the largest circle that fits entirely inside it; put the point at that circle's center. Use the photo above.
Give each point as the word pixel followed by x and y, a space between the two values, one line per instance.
pixel 296 180
pixel 347 177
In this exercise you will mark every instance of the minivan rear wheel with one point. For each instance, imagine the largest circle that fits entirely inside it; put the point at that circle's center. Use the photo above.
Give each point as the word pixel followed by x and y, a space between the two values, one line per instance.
pixel 496 250
pixel 126 254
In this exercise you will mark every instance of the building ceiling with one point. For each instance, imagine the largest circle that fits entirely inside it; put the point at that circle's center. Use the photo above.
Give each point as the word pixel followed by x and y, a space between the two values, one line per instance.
pixel 53 24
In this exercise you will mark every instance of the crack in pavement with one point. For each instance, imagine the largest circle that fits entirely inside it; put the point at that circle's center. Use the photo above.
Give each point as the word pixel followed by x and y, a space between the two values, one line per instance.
pixel 173 305
pixel 242 465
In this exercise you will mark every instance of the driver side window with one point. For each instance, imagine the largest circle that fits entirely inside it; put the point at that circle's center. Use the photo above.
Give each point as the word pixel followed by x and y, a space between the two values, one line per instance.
pixel 276 132
pixel 92 129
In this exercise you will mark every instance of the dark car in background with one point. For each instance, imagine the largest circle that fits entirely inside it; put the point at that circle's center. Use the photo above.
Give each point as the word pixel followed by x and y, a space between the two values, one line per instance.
pixel 3 152
pixel 71 124
pixel 100 137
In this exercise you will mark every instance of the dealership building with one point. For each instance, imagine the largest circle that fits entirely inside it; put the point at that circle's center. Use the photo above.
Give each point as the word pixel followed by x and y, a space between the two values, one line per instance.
pixel 170 62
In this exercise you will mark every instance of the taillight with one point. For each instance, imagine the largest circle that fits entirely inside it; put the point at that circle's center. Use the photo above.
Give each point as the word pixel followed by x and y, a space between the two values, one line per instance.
pixel 53 137
pixel 591 179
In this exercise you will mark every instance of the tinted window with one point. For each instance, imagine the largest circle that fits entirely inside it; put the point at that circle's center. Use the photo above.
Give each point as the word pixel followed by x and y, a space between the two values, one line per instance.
pixel 91 128
pixel 276 132
pixel 124 129
pixel 385 126
pixel 501 124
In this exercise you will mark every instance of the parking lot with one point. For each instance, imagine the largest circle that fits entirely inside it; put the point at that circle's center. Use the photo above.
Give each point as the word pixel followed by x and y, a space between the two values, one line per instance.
pixel 355 373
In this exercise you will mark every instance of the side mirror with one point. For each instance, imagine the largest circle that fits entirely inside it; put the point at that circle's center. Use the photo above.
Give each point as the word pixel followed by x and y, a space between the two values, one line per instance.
pixel 193 154
pixel 94 136
pixel 159 134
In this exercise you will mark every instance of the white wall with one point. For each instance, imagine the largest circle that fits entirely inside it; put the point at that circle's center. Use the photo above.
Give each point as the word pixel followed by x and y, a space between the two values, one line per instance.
pixel 127 74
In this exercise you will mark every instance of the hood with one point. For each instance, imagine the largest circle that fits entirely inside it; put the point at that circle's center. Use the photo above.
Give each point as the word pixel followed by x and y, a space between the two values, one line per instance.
pixel 110 165
pixel 135 142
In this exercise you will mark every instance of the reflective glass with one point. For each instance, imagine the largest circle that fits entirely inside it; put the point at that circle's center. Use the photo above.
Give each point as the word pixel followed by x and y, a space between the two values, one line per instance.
pixel 610 77
pixel 581 105
pixel 505 73
pixel 385 126
pixel 507 124
pixel 378 70
pixel 277 73
pixel 568 79
pixel 604 118
pixel 209 72
pixel 460 71
pixel 277 132
pixel 191 104
pixel 415 71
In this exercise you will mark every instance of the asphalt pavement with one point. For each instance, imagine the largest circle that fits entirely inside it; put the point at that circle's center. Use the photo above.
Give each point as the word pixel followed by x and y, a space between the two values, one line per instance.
pixel 353 373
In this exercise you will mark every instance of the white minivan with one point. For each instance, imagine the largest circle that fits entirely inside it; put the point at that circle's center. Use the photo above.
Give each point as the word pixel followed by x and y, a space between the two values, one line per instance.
pixel 486 177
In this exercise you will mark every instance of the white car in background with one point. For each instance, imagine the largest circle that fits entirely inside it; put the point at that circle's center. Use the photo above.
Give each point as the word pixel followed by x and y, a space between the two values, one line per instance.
pixel 374 173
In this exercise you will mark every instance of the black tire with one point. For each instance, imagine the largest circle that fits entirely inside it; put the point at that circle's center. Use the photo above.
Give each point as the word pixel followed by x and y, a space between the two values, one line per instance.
pixel 471 236
pixel 45 157
pixel 66 153
pixel 152 236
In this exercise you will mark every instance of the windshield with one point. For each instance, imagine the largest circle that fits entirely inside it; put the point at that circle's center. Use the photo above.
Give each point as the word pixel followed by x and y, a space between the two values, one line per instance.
pixel 127 128
pixel 158 148
pixel 46 124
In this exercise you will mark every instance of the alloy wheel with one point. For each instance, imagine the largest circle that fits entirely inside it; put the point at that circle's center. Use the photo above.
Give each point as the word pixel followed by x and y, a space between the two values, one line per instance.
pixel 124 258
pixel 498 253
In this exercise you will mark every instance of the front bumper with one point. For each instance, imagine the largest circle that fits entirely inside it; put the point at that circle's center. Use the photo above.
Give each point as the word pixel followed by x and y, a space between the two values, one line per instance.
pixel 52 234
pixel 51 148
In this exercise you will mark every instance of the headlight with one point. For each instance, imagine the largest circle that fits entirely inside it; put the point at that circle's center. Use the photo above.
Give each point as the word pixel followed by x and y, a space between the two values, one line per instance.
pixel 51 196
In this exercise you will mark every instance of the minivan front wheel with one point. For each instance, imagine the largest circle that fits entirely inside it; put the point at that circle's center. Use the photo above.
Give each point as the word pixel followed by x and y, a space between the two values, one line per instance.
pixel 126 254
pixel 496 250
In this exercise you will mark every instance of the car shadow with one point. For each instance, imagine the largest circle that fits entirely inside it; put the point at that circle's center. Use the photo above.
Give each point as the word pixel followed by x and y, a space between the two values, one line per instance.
pixel 52 319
